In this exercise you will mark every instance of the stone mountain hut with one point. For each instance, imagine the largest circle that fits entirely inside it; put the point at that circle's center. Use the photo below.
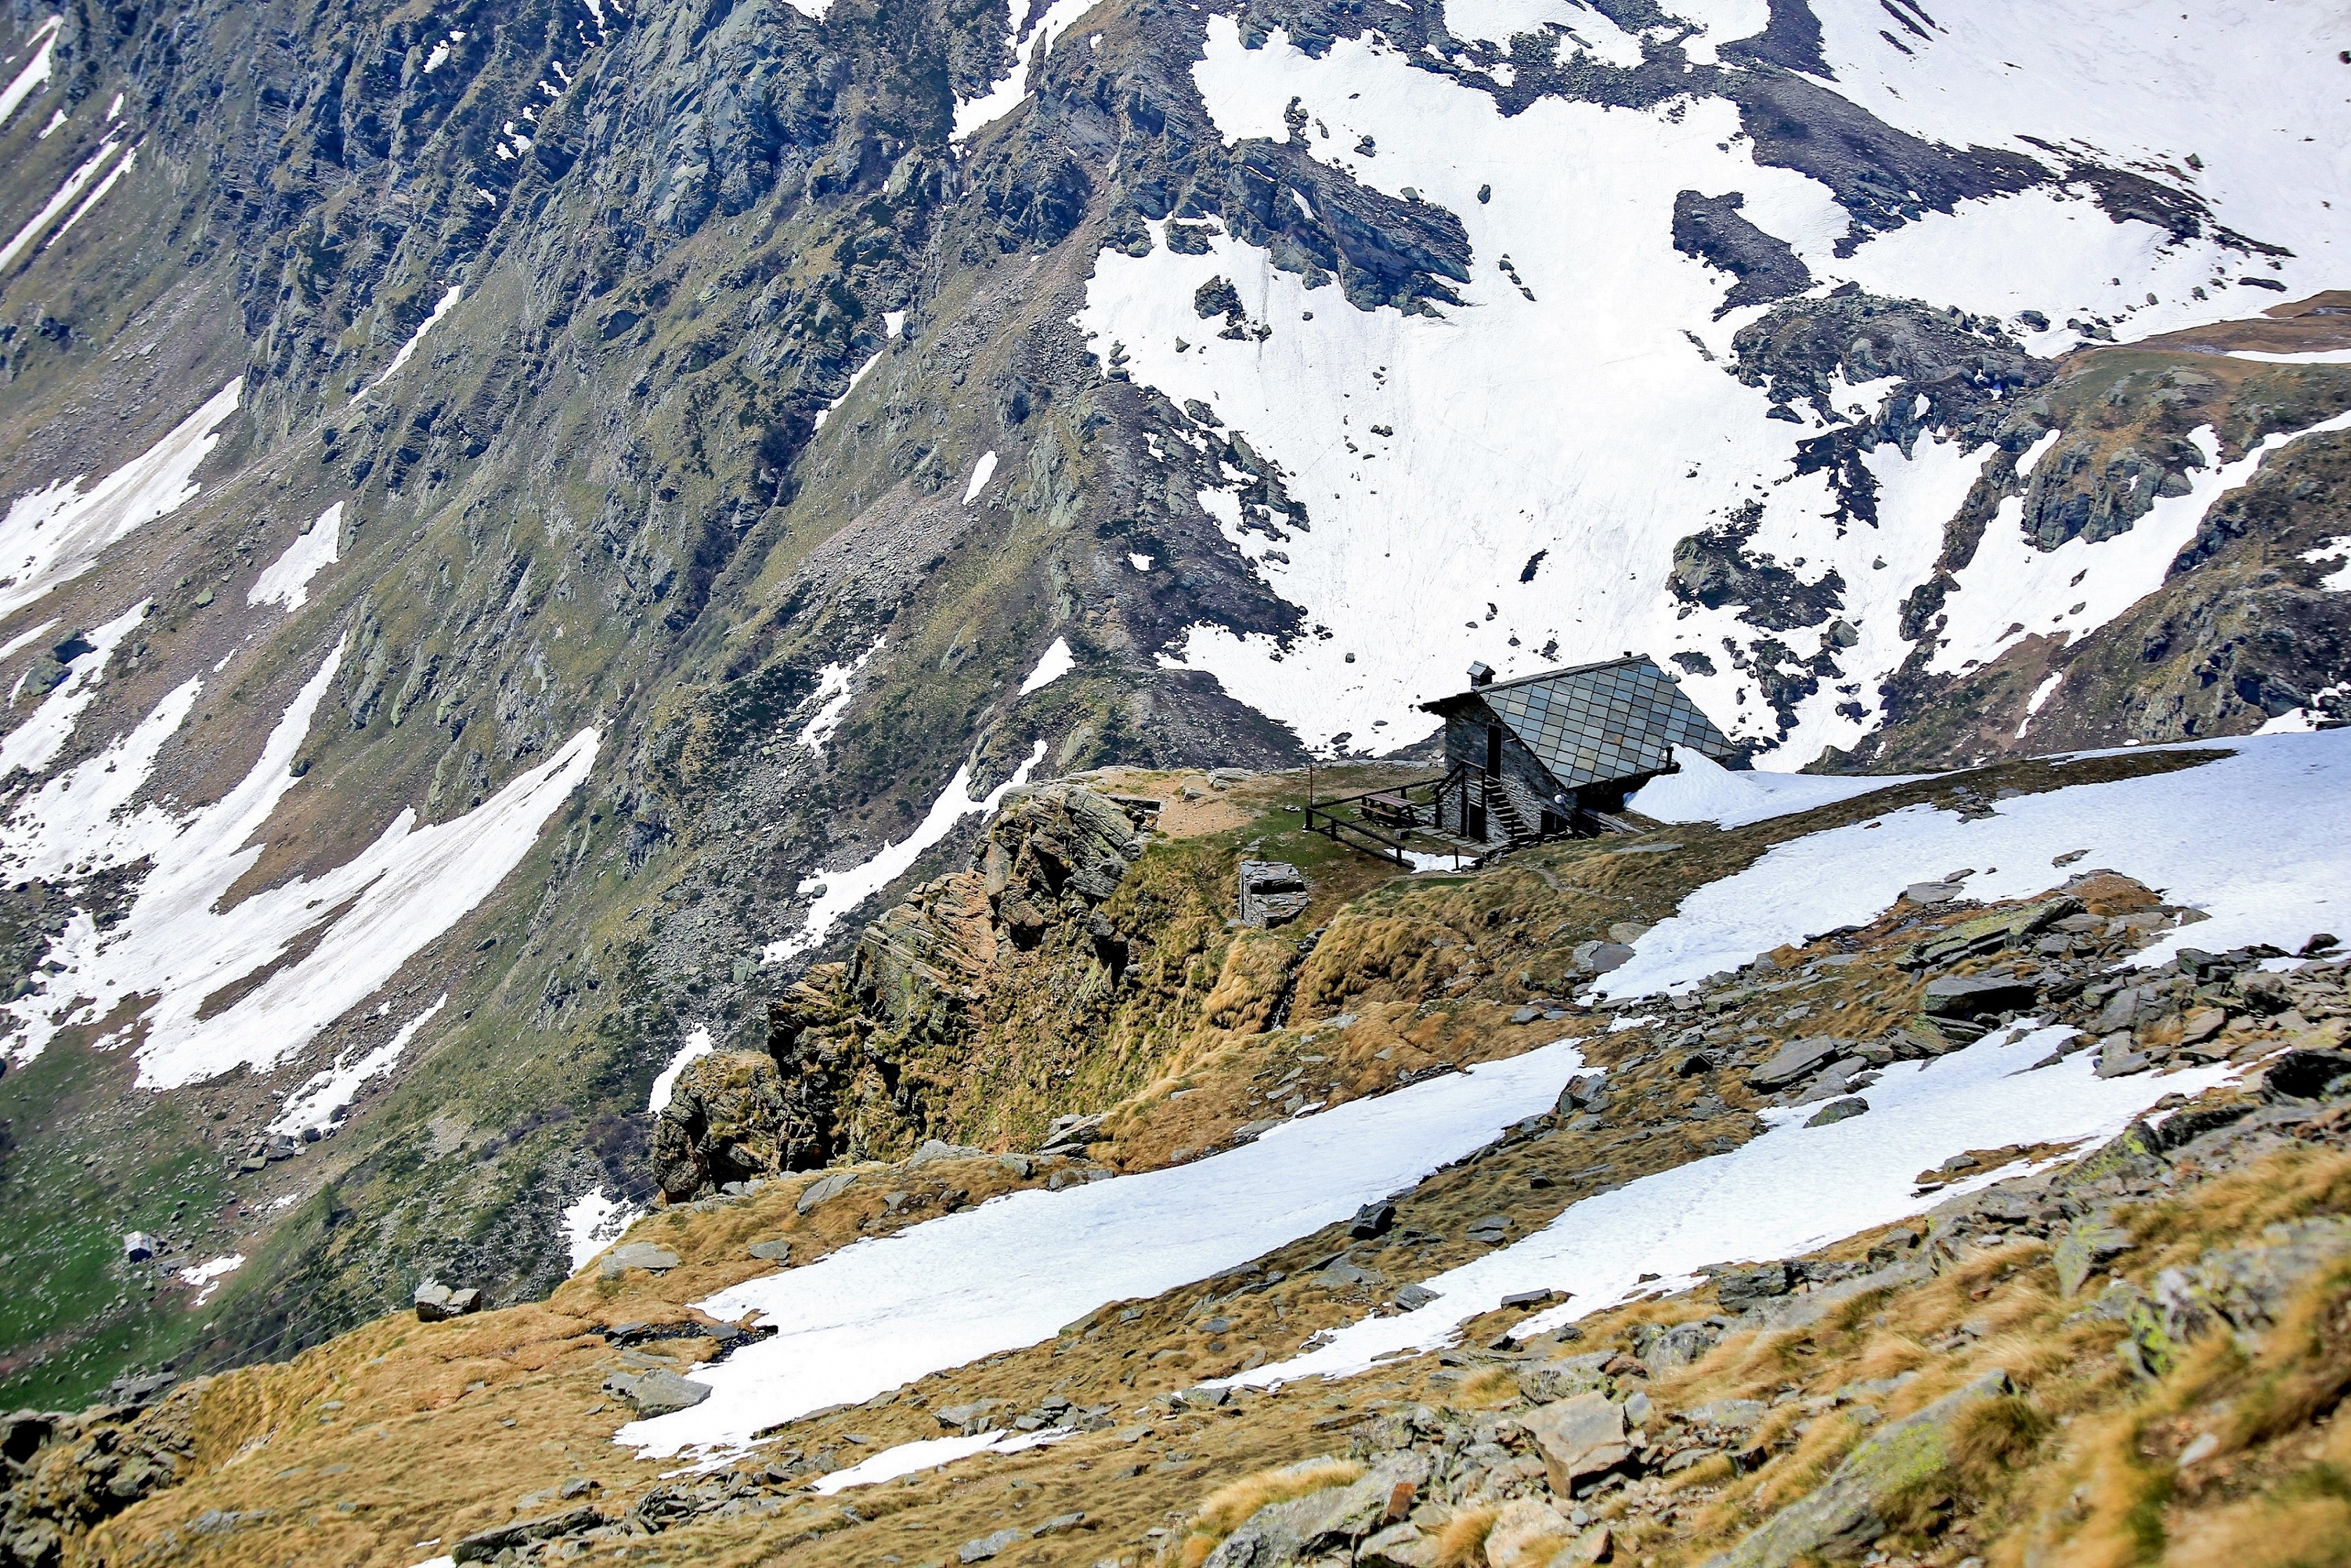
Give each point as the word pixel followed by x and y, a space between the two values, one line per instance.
pixel 1550 755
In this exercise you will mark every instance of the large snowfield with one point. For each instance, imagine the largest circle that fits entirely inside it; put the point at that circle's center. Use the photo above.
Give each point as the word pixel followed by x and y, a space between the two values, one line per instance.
pixel 1587 423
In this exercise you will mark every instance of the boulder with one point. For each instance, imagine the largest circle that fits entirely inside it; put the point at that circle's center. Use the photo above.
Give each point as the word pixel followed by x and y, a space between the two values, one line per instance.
pixel 1601 957
pixel 1845 1513
pixel 2247 1287
pixel 961 1416
pixel 2202 1024
pixel 775 1251
pixel 655 1392
pixel 824 1189
pixel 1729 1414
pixel 1739 1288
pixel 1835 1110
pixel 1527 1534
pixel 1796 1058
pixel 2117 1060
pixel 987 1547
pixel 1677 1346
pixel 1990 932
pixel 1272 892
pixel 436 1303
pixel 2088 1244
pixel 933 1150
pixel 1331 1520
pixel 1398 1546
pixel 2306 1074
pixel 1970 995
pixel 1579 1437
pixel 487 1544
pixel 1072 1133
pixel 636 1255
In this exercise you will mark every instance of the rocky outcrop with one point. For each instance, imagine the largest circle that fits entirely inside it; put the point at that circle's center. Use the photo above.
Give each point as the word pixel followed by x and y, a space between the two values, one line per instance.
pixel 62 1476
pixel 1711 228
pixel 1718 568
pixel 727 1122
pixel 871 1054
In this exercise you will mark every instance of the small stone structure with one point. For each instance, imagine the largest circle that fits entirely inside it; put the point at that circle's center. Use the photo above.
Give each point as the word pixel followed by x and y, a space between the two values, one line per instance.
pixel 1272 892
pixel 1551 754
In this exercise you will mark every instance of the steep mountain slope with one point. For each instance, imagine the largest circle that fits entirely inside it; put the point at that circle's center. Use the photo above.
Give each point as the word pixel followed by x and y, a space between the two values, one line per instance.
pixel 508 503
pixel 1695 1273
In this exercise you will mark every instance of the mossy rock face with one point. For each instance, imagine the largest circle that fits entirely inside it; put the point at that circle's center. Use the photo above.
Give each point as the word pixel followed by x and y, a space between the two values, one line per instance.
pixel 728 1121
pixel 1858 1503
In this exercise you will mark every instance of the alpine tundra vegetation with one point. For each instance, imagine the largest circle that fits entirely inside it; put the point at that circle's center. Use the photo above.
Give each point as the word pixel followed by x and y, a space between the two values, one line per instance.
pixel 739 819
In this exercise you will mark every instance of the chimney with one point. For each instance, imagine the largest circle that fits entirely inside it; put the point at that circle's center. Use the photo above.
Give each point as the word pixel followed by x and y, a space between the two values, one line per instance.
pixel 1480 675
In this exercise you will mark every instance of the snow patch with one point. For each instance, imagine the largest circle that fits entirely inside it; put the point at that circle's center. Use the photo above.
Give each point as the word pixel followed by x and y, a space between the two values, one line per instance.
pixel 697 1044
pixel 973 114
pixel 34 73
pixel 1013 1271
pixel 54 535
pixel 129 161
pixel 73 187
pixel 2181 831
pixel 593 1221
pixel 287 580
pixel 208 1276
pixel 320 1102
pixel 442 308
pixel 838 893
pixel 178 947
pixel 2337 548
pixel 981 471
pixel 1704 790
pixel 932 1453
pixel 24 640
pixel 33 744
pixel 2316 356
pixel 1656 1233
pixel 832 697
pixel 2254 91
pixel 856 376
pixel 2040 694
pixel 1057 662
pixel 2016 588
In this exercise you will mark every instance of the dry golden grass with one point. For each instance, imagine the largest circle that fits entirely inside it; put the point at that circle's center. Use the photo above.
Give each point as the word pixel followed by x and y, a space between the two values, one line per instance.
pixel 1461 1543
pixel 1486 1388
pixel 1231 1506
pixel 2305 1368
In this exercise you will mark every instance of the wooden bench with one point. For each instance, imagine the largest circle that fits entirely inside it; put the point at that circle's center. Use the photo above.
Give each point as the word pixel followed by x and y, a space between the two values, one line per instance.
pixel 1392 808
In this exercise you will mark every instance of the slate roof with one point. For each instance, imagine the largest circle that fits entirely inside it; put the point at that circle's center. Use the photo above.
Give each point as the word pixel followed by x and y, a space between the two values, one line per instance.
pixel 1598 722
